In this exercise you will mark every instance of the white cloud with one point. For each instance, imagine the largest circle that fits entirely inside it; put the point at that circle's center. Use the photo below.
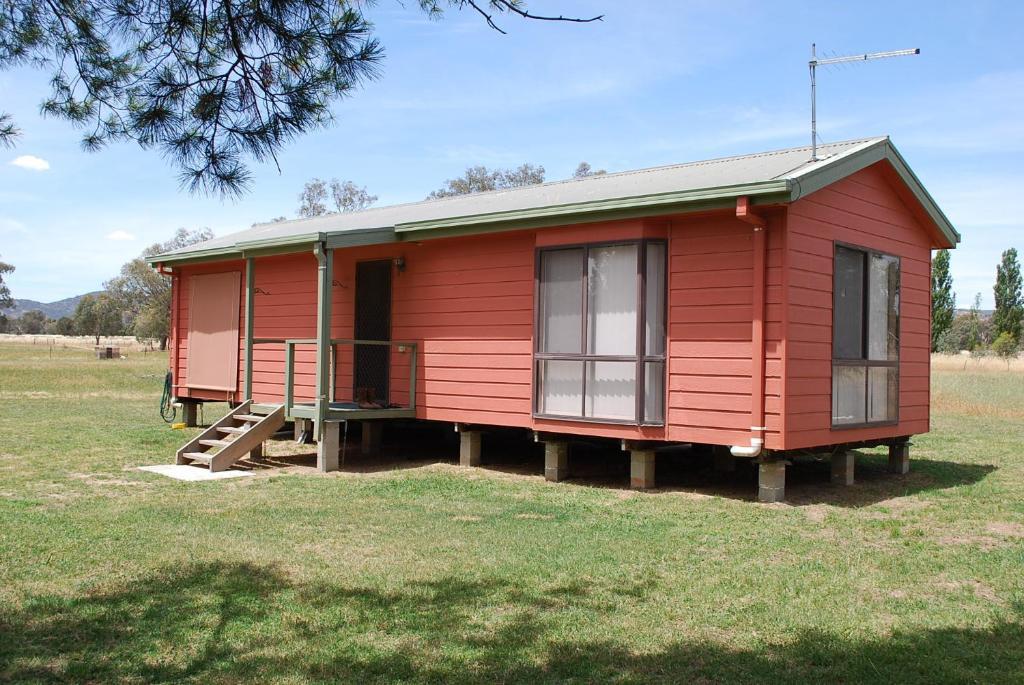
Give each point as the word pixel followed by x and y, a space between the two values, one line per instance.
pixel 31 163
pixel 120 235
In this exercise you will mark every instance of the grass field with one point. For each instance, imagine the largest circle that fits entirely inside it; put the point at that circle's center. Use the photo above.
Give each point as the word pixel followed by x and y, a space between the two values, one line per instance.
pixel 429 573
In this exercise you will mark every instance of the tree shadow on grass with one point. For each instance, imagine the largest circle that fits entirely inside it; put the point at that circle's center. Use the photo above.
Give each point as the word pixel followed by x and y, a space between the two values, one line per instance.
pixel 226 622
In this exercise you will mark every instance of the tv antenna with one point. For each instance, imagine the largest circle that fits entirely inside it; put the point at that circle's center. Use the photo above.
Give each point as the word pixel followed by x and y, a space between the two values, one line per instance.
pixel 814 63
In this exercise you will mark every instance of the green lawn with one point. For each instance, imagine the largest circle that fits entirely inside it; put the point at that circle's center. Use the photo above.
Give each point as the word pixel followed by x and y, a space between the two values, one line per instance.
pixel 435 574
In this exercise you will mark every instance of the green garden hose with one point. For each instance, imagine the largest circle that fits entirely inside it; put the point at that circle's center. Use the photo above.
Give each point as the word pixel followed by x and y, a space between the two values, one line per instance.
pixel 167 409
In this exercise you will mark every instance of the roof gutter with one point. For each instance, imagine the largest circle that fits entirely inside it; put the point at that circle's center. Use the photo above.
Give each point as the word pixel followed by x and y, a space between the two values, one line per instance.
pixel 594 210
pixel 533 217
pixel 240 250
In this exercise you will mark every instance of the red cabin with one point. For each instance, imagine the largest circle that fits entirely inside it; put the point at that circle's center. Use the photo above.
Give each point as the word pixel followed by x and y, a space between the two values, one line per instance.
pixel 767 304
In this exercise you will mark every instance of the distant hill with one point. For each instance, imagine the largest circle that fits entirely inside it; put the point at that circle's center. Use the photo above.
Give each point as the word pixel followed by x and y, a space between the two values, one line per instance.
pixel 53 310
pixel 983 313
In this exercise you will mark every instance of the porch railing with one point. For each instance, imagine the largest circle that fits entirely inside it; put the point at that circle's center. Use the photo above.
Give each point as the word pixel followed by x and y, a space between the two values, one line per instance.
pixel 402 347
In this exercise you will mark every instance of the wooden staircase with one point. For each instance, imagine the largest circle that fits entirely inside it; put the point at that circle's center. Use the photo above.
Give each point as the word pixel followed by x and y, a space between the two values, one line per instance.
pixel 231 438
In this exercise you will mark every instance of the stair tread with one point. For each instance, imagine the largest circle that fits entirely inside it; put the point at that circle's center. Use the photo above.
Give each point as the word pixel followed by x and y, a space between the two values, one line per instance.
pixel 232 429
pixel 215 443
pixel 198 456
pixel 232 438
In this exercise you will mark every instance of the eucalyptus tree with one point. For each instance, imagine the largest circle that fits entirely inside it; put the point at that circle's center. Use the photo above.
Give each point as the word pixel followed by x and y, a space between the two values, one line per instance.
pixel 6 301
pixel 479 179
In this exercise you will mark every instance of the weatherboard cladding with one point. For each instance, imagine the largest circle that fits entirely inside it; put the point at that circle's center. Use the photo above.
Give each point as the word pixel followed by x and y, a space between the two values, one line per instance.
pixel 782 175
pixel 468 301
pixel 863 210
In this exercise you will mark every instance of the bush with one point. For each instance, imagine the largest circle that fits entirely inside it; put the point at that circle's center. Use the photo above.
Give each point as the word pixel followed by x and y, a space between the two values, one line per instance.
pixel 1005 347
pixel 948 342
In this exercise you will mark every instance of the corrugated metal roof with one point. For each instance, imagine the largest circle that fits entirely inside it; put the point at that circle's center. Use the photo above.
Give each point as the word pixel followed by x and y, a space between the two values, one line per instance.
pixel 740 172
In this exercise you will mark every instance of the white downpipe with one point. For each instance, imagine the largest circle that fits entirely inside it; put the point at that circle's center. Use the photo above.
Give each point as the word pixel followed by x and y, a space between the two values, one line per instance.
pixel 757 332
pixel 753 450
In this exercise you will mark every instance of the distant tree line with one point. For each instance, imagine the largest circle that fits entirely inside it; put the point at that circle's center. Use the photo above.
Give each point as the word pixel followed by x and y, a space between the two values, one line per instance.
pixel 970 330
pixel 135 302
pixel 319 197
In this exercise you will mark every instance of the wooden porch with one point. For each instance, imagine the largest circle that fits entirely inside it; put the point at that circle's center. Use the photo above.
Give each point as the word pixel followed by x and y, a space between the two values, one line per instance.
pixel 327 408
pixel 340 409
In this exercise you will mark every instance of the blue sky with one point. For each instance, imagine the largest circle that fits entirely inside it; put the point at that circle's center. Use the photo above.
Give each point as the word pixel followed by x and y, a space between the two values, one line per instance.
pixel 656 82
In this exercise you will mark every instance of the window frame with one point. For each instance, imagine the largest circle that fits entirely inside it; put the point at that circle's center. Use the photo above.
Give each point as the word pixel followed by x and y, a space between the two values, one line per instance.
pixel 640 358
pixel 865 362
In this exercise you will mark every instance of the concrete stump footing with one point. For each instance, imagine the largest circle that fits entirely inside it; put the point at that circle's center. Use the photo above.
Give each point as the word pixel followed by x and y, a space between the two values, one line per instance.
pixel 190 414
pixel 329 446
pixel 771 481
pixel 641 469
pixel 556 461
pixel 469 448
pixel 842 468
pixel 372 435
pixel 899 458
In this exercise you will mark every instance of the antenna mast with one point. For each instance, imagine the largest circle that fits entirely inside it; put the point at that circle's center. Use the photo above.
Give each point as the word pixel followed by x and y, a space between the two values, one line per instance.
pixel 814 63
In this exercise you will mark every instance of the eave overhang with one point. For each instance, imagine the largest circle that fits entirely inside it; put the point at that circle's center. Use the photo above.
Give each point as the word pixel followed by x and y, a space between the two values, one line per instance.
pixel 769 192
pixel 599 210
pixel 848 163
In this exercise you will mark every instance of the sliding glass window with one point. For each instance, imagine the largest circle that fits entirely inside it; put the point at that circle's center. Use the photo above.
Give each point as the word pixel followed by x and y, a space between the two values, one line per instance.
pixel 865 338
pixel 600 351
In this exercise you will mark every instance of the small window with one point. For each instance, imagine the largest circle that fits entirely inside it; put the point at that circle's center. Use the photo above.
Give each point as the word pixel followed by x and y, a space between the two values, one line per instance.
pixel 601 333
pixel 865 338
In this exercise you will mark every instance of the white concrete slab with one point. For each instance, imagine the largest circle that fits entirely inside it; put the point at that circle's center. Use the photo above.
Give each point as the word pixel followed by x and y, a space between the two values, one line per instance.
pixel 191 473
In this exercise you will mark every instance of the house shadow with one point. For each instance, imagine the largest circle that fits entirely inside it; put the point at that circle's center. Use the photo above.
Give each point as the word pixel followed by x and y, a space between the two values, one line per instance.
pixel 238 622
pixel 808 479
pixel 602 464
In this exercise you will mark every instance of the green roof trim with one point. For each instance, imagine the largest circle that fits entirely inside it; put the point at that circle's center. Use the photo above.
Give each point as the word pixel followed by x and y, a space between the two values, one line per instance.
pixel 776 177
pixel 846 164
pixel 557 212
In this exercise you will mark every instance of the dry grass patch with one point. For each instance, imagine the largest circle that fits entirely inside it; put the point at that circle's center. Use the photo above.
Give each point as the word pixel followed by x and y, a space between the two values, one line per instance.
pixel 1006 529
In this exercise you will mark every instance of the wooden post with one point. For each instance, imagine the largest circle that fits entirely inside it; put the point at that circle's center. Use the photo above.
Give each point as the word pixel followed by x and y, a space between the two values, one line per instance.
pixel 327 455
pixel 412 376
pixel 289 377
pixel 300 427
pixel 190 414
pixel 256 454
pixel 250 285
